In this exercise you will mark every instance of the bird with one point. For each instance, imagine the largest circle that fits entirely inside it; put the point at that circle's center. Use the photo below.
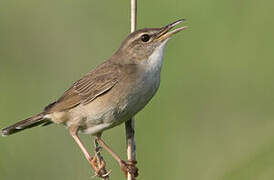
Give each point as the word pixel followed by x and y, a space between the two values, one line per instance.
pixel 110 94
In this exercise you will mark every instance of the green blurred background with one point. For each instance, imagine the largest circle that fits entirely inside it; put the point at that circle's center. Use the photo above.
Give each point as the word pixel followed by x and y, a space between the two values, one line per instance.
pixel 212 118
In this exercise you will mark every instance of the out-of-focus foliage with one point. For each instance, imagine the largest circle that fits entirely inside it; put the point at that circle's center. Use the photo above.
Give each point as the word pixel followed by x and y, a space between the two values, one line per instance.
pixel 212 118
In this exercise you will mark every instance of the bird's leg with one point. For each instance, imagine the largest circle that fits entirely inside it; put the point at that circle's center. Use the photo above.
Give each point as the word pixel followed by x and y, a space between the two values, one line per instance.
pixel 92 160
pixel 126 166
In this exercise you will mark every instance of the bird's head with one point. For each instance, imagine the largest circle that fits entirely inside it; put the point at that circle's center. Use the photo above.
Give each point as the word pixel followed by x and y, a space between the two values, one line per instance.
pixel 141 44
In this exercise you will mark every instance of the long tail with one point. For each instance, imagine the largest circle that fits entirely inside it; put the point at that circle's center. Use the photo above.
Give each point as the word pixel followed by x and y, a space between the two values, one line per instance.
pixel 25 124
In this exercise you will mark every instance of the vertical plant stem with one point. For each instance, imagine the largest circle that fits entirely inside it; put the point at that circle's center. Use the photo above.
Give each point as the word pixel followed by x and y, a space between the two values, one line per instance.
pixel 133 17
pixel 131 147
pixel 100 159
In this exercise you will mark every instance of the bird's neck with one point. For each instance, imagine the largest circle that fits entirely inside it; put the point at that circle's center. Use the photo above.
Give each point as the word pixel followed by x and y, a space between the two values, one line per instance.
pixel 155 60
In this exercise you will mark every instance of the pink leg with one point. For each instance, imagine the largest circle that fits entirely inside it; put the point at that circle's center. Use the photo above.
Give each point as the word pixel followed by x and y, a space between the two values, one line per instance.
pixel 92 160
pixel 127 167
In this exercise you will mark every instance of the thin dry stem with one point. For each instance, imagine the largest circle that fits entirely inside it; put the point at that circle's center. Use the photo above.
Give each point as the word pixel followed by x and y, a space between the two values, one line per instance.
pixel 133 17
pixel 100 159
pixel 131 146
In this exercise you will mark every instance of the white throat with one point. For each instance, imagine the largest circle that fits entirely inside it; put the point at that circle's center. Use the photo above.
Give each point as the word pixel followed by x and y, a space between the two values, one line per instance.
pixel 155 60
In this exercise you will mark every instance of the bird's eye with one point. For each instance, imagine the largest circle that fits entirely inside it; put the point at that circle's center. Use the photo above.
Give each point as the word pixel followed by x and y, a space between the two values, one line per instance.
pixel 145 37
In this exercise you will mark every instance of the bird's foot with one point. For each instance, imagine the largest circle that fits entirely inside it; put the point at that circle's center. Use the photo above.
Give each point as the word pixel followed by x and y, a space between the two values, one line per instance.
pixel 129 167
pixel 99 168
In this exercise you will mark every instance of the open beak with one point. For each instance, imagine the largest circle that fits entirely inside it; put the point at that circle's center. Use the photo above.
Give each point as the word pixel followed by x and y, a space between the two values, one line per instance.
pixel 165 32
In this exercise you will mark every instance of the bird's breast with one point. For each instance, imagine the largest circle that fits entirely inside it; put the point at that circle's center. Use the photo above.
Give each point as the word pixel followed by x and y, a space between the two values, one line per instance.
pixel 146 83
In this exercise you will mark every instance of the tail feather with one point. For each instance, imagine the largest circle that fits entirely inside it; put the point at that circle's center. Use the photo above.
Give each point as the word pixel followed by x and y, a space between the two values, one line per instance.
pixel 25 124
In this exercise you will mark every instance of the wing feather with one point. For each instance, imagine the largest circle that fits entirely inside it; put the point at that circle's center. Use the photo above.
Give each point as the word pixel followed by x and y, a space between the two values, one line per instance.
pixel 85 90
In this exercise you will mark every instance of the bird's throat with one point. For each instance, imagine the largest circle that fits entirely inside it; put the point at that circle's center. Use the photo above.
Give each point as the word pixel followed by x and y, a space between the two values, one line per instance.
pixel 155 60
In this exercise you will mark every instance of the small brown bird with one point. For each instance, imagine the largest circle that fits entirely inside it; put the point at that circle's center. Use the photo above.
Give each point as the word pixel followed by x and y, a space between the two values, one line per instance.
pixel 110 94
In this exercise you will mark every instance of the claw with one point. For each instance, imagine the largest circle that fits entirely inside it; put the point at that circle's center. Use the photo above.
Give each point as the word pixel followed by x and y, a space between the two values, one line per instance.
pixel 129 167
pixel 101 175
pixel 107 174
pixel 98 169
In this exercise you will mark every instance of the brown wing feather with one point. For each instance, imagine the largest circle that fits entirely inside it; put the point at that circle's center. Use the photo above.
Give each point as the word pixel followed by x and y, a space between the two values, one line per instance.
pixel 85 90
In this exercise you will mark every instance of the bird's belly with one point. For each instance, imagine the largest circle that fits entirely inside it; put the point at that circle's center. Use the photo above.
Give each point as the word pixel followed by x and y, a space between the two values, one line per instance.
pixel 120 107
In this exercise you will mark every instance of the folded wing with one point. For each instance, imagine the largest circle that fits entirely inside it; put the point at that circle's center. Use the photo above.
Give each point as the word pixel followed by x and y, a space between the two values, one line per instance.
pixel 85 90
